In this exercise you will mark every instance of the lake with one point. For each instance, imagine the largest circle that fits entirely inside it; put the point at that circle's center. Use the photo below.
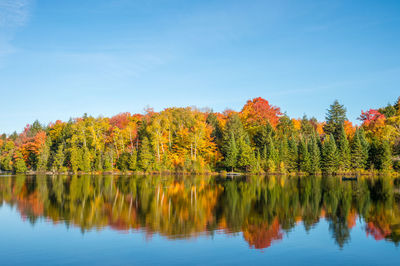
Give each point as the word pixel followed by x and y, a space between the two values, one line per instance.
pixel 200 220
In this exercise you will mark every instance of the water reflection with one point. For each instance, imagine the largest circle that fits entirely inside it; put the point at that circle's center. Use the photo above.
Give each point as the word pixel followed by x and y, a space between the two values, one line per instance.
pixel 263 209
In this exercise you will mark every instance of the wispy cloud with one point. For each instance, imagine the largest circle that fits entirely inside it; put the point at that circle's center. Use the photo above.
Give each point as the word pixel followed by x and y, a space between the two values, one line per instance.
pixel 13 15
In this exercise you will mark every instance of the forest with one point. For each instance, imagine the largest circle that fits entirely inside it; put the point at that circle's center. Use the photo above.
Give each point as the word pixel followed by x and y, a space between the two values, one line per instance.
pixel 257 139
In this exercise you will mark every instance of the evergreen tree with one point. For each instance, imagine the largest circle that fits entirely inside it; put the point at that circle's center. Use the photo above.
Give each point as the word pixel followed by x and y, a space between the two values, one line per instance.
pixel 145 155
pixel 284 152
pixel 234 125
pixel 385 156
pixel 246 158
pixel 122 162
pixel 315 155
pixel 307 129
pixel 217 133
pixel 258 167
pixel 373 154
pixel 127 161
pixel 329 155
pixel 59 157
pixel 388 111
pixel 365 146
pixel 234 137
pixel 335 119
pixel 272 153
pixel 75 158
pixel 293 155
pixel 35 128
pixel 262 137
pixel 231 151
pixel 132 160
pixel 304 157
pixel 343 150
pixel 357 160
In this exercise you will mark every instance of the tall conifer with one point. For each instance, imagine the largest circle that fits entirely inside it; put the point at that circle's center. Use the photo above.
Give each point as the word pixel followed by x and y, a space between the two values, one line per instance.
pixel 343 150
pixel 329 155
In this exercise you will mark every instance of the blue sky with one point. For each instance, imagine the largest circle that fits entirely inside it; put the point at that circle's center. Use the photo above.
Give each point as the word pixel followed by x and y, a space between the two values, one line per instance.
pixel 60 59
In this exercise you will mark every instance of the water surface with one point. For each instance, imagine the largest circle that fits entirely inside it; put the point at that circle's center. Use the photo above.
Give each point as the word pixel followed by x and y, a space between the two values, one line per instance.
pixel 119 220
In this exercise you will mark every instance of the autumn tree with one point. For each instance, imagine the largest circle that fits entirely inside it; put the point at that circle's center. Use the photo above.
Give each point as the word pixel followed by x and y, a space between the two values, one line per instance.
pixel 258 112
pixel 258 138
pixel 19 165
pixel 6 155
pixel 44 155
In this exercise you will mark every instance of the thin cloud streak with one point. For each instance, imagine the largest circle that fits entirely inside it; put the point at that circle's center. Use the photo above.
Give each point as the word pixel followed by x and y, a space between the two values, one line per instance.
pixel 13 15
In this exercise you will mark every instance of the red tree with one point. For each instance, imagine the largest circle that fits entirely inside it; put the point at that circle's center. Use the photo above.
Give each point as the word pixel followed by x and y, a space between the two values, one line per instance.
pixel 258 112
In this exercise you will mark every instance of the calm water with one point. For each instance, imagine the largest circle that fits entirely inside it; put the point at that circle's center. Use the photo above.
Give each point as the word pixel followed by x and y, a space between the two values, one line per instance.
pixel 105 220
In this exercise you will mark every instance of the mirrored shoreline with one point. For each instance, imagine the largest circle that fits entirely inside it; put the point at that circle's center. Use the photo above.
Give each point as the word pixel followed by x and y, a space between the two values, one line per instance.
pixel 263 209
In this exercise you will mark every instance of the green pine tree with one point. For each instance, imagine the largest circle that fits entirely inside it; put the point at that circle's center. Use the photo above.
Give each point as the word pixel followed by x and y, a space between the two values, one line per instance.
pixel 234 138
pixel 293 155
pixel 365 146
pixel 357 160
pixel 343 150
pixel 385 157
pixel 132 160
pixel 304 157
pixel 59 158
pixel 315 155
pixel 284 152
pixel 246 158
pixel 122 161
pixel 335 118
pixel 272 152
pixel 231 152
pixel 329 155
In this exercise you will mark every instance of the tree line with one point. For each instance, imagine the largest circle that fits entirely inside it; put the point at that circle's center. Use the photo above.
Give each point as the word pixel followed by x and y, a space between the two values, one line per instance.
pixel 258 139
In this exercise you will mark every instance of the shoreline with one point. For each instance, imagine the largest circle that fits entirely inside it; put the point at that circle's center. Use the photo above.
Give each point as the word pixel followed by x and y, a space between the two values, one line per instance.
pixel 221 173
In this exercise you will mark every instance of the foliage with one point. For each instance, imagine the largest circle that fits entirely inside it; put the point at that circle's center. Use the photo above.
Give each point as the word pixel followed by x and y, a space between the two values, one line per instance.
pixel 259 138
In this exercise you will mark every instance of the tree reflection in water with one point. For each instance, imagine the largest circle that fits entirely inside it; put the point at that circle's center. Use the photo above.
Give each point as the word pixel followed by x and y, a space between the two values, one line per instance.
pixel 264 209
